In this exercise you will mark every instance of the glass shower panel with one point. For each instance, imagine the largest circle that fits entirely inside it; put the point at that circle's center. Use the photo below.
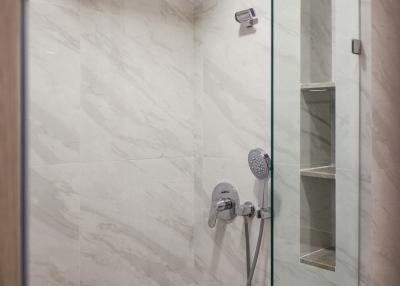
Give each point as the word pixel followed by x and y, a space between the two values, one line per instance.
pixel 316 93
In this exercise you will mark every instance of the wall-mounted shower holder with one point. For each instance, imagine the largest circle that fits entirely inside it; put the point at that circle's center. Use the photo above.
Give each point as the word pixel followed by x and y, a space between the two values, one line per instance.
pixel 264 213
pixel 247 209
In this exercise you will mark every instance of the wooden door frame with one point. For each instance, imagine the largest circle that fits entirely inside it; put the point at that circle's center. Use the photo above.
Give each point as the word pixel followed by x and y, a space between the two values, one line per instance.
pixel 11 18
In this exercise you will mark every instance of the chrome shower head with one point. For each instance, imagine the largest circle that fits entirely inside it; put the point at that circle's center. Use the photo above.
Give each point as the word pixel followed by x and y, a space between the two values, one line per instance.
pixel 259 163
pixel 247 17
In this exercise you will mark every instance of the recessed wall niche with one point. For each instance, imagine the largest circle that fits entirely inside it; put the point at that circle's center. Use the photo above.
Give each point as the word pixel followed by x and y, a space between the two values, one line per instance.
pixel 317 142
pixel 316 41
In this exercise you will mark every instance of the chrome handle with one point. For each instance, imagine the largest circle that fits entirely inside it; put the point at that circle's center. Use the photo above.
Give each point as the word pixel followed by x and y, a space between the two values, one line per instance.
pixel 219 206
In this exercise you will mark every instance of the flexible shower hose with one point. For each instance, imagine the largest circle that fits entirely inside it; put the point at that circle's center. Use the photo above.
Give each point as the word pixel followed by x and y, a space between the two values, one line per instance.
pixel 250 270
pixel 248 258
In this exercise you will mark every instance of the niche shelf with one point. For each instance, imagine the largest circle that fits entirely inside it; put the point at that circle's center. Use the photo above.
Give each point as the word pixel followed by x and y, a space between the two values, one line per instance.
pixel 317 142
pixel 317 87
pixel 323 258
pixel 318 176
pixel 324 172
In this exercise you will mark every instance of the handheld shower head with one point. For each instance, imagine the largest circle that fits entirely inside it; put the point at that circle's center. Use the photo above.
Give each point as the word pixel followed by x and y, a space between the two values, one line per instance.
pixel 259 163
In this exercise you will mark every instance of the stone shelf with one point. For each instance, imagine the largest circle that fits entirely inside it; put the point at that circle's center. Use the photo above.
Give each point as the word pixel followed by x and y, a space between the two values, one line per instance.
pixel 318 87
pixel 323 258
pixel 324 172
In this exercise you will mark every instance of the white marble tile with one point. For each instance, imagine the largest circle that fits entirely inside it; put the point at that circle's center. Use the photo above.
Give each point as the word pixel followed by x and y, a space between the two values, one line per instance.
pixel 243 55
pixel 128 102
pixel 144 94
pixel 347 95
pixel 316 41
pixel 54 225
pixel 379 184
pixel 233 123
pixel 233 104
pixel 54 82
pixel 137 223
pixel 287 83
pixel 317 129
pixel 347 226
pixel 64 3
pixel 233 68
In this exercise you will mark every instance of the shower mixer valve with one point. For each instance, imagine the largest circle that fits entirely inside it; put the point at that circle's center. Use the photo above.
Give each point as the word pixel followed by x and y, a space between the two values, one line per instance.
pixel 225 204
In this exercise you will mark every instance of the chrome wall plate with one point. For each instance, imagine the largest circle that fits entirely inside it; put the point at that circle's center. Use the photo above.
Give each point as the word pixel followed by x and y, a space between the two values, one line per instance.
pixel 225 203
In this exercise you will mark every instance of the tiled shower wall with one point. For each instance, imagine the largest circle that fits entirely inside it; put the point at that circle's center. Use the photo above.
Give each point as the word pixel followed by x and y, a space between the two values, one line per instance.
pixel 136 110
pixel 380 153
pixel 111 113
pixel 232 115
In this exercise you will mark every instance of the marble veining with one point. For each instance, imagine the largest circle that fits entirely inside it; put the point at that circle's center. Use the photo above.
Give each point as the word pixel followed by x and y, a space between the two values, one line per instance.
pixel 136 110
pixel 316 40
pixel 54 225
pixel 379 144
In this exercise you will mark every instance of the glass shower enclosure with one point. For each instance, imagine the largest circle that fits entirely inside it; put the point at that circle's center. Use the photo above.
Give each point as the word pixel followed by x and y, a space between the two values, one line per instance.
pixel 137 110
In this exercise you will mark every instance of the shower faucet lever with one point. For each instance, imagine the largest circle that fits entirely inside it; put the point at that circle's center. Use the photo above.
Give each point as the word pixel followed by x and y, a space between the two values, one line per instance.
pixel 224 203
pixel 221 205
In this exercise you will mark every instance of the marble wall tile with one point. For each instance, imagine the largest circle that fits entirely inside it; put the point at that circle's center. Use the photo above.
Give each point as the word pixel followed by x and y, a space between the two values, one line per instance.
pixel 317 129
pixel 233 107
pixel 386 211
pixel 287 70
pixel 109 65
pixel 54 81
pixel 128 103
pixel 316 40
pixel 137 223
pixel 157 103
pixel 54 209
pixel 234 122
pixel 366 202
pixel 317 214
pixel 379 144
pixel 346 73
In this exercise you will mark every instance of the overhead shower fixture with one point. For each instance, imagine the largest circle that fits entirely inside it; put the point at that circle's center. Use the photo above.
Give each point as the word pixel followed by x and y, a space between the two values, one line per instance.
pixel 247 18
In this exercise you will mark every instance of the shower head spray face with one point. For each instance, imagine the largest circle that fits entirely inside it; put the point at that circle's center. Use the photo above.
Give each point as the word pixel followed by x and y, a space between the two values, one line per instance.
pixel 259 163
